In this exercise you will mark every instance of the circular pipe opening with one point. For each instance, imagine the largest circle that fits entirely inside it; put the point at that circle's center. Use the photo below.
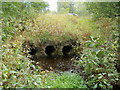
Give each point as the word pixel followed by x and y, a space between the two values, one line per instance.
pixel 66 50
pixel 49 50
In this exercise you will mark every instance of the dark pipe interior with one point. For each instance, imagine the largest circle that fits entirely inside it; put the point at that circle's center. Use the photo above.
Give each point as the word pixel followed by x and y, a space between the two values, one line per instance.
pixel 66 49
pixel 49 50
pixel 33 51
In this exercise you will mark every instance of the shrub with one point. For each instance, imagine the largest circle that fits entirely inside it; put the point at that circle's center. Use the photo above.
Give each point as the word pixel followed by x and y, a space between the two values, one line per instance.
pixel 98 60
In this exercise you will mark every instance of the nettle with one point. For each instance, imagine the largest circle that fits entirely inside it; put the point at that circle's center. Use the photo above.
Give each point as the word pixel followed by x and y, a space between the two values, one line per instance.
pixel 98 60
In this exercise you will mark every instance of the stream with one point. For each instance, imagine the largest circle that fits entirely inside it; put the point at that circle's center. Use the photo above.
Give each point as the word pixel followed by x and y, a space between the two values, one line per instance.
pixel 57 64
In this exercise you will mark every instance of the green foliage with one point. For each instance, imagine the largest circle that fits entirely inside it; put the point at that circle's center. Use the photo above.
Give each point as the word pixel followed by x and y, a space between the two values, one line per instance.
pixel 15 14
pixel 17 70
pixel 57 28
pixel 19 9
pixel 20 21
pixel 65 80
pixel 81 9
pixel 72 7
pixel 66 7
pixel 98 60
pixel 103 9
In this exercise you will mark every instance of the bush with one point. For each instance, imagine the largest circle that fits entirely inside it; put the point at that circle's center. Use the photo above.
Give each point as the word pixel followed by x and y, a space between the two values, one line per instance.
pixel 103 9
pixel 98 60
pixel 17 71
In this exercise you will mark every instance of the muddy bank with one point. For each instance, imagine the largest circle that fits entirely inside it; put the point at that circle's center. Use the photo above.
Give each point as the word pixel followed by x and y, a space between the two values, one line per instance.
pixel 61 63
pixel 58 64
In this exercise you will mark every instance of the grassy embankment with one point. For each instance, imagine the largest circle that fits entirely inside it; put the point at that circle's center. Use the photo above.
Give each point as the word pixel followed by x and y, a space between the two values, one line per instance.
pixel 18 71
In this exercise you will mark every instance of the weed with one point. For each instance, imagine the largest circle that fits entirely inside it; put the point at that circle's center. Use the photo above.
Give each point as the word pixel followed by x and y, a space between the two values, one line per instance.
pixel 66 80
pixel 98 60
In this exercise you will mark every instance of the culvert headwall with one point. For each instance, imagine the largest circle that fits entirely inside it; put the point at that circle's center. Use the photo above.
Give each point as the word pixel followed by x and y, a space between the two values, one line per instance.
pixel 65 49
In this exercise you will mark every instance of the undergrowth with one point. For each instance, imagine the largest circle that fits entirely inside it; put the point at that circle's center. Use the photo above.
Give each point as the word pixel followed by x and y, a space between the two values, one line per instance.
pixel 97 59
pixel 58 28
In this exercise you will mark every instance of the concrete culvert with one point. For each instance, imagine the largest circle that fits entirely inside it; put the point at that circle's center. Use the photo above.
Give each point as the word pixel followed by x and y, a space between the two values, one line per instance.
pixel 66 50
pixel 49 50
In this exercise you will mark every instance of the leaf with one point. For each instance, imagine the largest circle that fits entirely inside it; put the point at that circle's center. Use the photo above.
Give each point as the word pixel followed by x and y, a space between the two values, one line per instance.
pixel 92 45
pixel 35 83
pixel 96 50
pixel 5 67
pixel 95 86
pixel 100 77
pixel 13 72
pixel 100 54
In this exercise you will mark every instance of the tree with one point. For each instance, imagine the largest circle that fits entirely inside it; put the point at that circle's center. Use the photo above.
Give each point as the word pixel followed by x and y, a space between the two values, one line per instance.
pixel 103 9
pixel 65 7
pixel 17 13
pixel 80 9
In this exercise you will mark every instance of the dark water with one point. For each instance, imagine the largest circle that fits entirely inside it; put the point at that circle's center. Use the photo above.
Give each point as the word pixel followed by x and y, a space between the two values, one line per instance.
pixel 59 63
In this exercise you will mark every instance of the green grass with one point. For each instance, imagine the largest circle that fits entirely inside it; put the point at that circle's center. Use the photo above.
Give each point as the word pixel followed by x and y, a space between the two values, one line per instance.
pixel 66 80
